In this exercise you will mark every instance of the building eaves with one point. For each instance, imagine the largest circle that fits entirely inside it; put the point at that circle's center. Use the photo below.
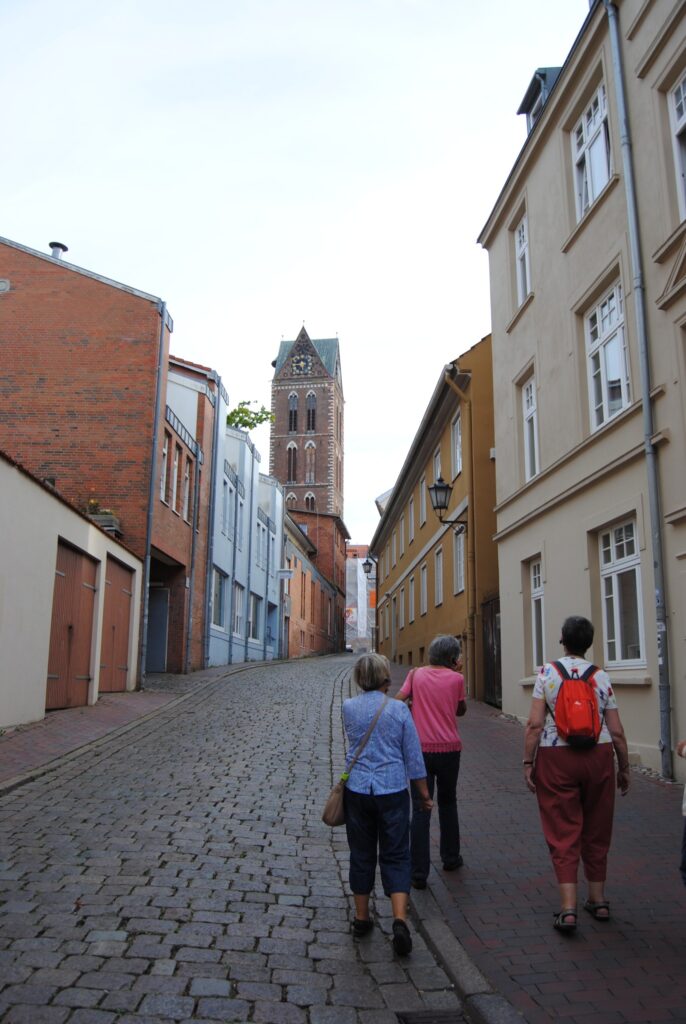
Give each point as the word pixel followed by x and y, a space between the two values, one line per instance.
pixel 535 132
pixel 65 265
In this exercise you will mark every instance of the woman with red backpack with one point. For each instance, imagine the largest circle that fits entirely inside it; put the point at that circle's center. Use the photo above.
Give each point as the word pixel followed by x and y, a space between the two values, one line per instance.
pixel 573 727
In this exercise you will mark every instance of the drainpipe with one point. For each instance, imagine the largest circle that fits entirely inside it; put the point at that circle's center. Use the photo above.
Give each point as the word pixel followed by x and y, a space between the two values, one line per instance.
pixel 210 527
pixel 250 533
pixel 664 688
pixel 191 582
pixel 162 308
pixel 266 595
pixel 466 404
pixel 234 558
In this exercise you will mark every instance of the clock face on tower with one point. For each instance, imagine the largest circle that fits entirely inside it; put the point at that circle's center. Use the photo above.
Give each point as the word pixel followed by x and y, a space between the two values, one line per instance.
pixel 301 364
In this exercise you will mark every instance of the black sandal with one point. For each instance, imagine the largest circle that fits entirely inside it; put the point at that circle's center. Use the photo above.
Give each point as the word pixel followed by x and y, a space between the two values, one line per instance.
pixel 362 927
pixel 561 922
pixel 596 909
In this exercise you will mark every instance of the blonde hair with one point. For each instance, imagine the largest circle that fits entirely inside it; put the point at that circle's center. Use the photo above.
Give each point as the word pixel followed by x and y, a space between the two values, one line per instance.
pixel 371 671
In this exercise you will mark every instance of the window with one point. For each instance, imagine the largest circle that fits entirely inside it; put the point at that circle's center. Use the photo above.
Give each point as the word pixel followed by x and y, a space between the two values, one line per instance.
pixel 303 594
pixel 292 463
pixel 291 498
pixel 401 609
pixel 677 113
pixel 218 588
pixel 422 501
pixel 310 502
pixel 238 592
pixel 591 149
pixel 536 584
pixel 423 599
pixel 311 406
pixel 437 464
pixel 530 420
pixel 608 374
pixel 225 507
pixel 458 562
pixel 187 489
pixel 292 413
pixel 254 617
pixel 175 477
pixel 521 235
pixel 410 599
pixel 402 535
pixel 438 579
pixel 239 531
pixel 394 548
pixel 621 594
pixel 456 443
pixel 164 477
pixel 310 455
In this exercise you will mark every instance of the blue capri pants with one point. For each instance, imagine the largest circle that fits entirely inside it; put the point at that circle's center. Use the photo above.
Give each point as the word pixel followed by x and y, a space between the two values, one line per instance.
pixel 378 823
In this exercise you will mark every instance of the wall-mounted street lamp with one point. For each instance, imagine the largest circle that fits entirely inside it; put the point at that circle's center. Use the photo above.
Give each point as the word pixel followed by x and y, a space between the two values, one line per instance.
pixel 367 566
pixel 439 493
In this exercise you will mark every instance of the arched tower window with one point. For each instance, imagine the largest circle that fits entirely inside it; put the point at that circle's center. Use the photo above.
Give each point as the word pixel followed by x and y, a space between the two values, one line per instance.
pixel 310 456
pixel 311 410
pixel 292 463
pixel 291 498
pixel 310 502
pixel 292 413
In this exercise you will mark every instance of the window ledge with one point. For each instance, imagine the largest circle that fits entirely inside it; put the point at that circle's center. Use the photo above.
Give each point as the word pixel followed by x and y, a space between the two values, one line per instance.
pixel 515 319
pixel 590 212
pixel 527 681
pixel 668 246
pixel 629 677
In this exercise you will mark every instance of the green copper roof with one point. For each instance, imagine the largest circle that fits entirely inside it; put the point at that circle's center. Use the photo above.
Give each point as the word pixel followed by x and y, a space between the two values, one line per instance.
pixel 326 349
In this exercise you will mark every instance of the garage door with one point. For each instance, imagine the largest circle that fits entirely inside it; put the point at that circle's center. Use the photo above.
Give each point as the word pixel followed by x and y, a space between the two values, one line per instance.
pixel 71 634
pixel 114 647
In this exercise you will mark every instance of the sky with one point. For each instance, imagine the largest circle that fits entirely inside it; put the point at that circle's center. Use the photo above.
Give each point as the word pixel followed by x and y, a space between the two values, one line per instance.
pixel 264 164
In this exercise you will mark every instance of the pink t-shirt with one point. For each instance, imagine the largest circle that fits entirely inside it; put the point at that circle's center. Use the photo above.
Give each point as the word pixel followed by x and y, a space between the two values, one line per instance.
pixel 435 692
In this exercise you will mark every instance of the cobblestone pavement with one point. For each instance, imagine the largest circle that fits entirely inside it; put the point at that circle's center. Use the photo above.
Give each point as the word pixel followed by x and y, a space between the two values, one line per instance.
pixel 180 872
pixel 500 904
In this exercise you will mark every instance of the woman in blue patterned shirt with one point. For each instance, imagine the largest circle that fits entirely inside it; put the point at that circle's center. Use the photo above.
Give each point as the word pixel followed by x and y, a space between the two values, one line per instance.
pixel 377 801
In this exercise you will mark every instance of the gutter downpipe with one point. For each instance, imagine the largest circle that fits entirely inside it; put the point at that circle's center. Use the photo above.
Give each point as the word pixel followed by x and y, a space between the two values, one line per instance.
pixel 664 688
pixel 210 528
pixel 234 558
pixel 266 594
pixel 253 460
pixel 471 541
pixel 191 583
pixel 162 309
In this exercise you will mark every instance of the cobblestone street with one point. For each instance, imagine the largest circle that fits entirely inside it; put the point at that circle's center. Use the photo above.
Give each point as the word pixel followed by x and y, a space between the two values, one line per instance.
pixel 180 871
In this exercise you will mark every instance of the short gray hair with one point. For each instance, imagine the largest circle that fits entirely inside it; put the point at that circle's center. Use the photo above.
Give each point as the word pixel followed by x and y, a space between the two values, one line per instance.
pixel 444 650
pixel 371 671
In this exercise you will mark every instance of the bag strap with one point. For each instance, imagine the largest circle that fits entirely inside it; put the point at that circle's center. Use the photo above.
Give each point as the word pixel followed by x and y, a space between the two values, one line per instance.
pixel 360 747
pixel 561 670
pixel 411 678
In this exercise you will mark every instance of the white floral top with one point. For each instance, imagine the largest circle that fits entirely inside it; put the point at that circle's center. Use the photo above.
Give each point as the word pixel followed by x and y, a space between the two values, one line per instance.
pixel 547 687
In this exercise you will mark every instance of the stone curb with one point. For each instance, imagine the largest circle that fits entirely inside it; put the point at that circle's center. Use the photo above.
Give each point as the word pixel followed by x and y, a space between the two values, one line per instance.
pixel 58 762
pixel 482 1003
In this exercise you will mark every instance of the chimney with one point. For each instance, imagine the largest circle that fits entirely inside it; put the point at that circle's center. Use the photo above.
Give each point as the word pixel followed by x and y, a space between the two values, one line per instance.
pixel 56 249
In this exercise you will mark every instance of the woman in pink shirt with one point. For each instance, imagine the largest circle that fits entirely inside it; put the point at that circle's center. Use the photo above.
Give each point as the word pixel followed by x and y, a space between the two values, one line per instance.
pixel 438 696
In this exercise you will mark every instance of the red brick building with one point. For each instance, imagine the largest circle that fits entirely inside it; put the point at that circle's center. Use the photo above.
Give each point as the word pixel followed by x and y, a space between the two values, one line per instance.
pixel 84 378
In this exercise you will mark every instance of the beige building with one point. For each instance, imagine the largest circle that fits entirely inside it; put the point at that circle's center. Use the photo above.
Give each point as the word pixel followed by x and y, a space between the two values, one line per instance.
pixel 588 301
pixel 442 577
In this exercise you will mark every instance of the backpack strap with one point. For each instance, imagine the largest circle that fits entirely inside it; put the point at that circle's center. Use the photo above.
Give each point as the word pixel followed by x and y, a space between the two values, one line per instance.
pixel 588 675
pixel 561 670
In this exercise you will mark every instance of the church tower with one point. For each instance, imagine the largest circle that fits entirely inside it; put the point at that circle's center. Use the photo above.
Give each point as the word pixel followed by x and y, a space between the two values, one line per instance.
pixel 306 444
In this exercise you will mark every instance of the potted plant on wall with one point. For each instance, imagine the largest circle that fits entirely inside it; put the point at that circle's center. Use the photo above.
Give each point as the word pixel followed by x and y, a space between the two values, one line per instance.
pixel 106 518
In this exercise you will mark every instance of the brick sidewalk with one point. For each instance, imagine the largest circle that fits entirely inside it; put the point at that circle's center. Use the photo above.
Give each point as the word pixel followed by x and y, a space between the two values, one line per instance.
pixel 500 905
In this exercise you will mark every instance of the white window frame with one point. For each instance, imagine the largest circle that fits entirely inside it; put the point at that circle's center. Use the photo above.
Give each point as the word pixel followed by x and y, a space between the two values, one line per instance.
pixel 458 562
pixel 410 521
pixel 410 599
pixel 677 118
pixel 394 549
pixel 530 428
pixel 456 443
pixel 175 479
pixel 523 272
pixel 241 518
pixel 605 336
pixel 401 609
pixel 254 603
pixel 423 590
pixel 591 152
pixel 437 465
pixel 422 501
pixel 401 531
pixel 237 625
pixel 165 467
pixel 218 599
pixel 186 488
pixel 537 613
pixel 438 577
pixel 620 559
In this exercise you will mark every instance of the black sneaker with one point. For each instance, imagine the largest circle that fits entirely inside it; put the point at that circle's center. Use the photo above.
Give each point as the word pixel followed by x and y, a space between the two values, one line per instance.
pixel 361 928
pixel 453 865
pixel 402 940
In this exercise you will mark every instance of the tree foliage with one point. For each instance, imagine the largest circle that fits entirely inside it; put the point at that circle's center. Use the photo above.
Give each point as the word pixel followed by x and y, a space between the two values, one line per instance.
pixel 246 418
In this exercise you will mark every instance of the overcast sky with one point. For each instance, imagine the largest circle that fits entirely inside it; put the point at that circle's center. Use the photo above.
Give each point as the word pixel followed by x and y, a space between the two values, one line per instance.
pixel 260 164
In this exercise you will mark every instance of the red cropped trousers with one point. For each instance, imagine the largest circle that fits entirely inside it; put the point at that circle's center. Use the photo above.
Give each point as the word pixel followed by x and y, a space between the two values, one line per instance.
pixel 575 790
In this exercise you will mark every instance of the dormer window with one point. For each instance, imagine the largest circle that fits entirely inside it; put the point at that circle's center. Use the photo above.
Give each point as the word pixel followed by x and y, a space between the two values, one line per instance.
pixel 536 95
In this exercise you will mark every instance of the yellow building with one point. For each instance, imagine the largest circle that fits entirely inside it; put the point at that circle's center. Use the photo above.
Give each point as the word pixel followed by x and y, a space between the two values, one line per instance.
pixel 442 576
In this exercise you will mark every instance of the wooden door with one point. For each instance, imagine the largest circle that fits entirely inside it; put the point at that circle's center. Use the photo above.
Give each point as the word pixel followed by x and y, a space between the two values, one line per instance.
pixel 116 628
pixel 490 612
pixel 71 633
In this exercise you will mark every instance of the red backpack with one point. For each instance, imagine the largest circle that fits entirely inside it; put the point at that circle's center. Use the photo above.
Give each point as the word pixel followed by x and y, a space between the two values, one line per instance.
pixel 577 718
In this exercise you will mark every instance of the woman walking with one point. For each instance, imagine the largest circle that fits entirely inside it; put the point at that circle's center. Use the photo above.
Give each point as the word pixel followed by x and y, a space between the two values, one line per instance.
pixel 575 785
pixel 438 696
pixel 376 798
